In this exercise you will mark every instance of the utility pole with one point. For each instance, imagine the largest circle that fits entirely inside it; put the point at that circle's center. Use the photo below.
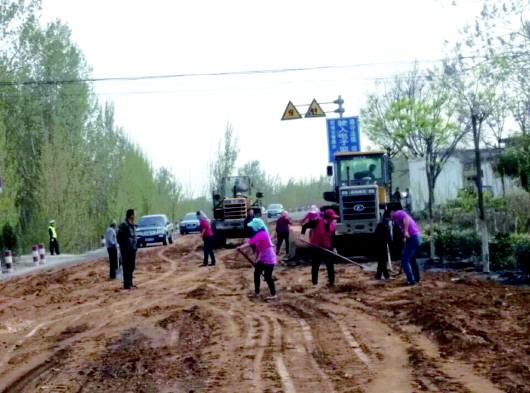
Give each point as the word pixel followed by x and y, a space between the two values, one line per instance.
pixel 339 102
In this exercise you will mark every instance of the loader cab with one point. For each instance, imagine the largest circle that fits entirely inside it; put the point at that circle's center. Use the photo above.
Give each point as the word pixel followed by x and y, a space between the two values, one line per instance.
pixel 360 168
pixel 235 187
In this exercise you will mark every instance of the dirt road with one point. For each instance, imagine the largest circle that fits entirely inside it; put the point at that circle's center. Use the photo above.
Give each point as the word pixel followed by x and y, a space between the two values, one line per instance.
pixel 191 329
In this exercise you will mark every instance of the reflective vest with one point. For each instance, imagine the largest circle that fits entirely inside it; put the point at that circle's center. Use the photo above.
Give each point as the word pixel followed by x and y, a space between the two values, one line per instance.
pixel 54 234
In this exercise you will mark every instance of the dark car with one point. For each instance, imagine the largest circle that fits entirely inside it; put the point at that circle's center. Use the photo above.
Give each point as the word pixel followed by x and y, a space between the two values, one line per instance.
pixel 155 228
pixel 189 223
pixel 274 210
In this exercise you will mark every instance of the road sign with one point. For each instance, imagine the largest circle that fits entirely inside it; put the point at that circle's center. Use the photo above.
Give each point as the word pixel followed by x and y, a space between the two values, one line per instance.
pixel 315 110
pixel 291 112
pixel 343 135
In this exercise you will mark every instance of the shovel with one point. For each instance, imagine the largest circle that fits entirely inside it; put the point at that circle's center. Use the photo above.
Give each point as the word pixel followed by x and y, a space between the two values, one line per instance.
pixel 336 254
pixel 249 259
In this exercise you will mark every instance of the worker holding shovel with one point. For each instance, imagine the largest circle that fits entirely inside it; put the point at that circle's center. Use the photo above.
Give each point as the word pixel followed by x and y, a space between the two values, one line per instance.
pixel 321 245
pixel 265 256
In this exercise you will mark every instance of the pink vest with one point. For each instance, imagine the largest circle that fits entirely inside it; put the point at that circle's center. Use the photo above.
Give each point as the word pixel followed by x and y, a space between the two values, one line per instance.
pixel 321 236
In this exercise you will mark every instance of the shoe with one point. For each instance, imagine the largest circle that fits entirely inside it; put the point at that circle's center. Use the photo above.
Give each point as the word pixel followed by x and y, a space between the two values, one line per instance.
pixel 409 283
pixel 211 264
pixel 133 286
pixel 272 297
pixel 203 265
pixel 252 294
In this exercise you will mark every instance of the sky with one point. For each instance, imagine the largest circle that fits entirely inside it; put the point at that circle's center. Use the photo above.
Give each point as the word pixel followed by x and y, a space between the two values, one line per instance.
pixel 178 121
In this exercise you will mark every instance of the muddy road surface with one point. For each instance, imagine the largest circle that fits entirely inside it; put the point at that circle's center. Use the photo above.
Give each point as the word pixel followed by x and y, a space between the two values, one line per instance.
pixel 190 329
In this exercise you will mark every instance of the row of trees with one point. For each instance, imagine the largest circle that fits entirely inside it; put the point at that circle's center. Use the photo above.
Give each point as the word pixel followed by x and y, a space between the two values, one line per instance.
pixel 478 96
pixel 61 155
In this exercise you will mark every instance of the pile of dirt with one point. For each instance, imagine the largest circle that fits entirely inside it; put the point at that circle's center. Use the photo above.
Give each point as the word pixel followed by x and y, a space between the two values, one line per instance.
pixel 201 292
pixel 148 359
pixel 470 318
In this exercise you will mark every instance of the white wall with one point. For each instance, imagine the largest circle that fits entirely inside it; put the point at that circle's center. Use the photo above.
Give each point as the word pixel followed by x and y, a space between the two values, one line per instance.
pixel 448 183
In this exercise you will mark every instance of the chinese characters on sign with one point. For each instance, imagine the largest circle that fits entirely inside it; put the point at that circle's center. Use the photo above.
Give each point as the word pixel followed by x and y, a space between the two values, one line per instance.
pixel 343 135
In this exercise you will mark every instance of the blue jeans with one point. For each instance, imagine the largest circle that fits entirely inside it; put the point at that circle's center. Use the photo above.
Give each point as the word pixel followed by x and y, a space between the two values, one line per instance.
pixel 408 258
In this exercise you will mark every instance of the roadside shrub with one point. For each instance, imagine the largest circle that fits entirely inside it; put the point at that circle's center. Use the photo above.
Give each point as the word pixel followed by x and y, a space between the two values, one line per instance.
pixel 456 245
pixel 522 251
pixel 8 238
pixel 518 207
pixel 502 252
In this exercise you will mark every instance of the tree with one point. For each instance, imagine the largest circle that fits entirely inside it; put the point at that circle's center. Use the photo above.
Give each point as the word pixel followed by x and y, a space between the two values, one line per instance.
pixel 477 85
pixel 418 120
pixel 224 163
pixel 515 160
pixel 168 191
pixel 258 178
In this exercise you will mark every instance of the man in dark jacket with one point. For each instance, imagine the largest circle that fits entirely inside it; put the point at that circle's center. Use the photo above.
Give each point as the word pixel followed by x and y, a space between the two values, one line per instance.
pixel 127 241
pixel 383 240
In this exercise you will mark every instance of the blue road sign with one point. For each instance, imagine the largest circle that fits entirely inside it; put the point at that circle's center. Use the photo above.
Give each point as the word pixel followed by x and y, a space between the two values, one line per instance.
pixel 343 135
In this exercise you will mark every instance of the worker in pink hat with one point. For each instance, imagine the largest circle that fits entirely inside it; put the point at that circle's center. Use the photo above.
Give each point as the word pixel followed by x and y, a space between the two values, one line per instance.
pixel 322 238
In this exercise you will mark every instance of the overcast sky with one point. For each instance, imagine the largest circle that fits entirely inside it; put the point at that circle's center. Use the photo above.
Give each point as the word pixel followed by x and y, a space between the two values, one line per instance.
pixel 179 121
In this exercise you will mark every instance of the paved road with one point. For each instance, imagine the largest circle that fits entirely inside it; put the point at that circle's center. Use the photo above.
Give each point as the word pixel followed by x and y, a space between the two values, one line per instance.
pixel 24 264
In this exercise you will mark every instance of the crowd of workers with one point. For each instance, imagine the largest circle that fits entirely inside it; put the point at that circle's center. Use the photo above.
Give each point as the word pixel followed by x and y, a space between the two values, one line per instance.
pixel 321 226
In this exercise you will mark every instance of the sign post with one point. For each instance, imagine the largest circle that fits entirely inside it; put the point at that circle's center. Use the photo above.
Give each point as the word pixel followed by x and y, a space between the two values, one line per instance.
pixel 343 135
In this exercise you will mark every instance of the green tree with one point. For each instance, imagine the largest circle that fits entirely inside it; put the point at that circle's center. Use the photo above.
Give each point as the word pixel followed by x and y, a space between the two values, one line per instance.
pixel 417 118
pixel 168 191
pixel 225 161
pixel 515 160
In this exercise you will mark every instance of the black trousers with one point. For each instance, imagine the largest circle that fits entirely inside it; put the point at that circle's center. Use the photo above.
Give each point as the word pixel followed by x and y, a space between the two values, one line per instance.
pixel 208 250
pixel 382 264
pixel 129 264
pixel 54 246
pixel 266 269
pixel 317 257
pixel 113 261
pixel 282 236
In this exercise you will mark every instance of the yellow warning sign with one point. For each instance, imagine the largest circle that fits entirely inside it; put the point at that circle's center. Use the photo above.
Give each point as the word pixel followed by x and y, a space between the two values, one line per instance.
pixel 315 110
pixel 291 112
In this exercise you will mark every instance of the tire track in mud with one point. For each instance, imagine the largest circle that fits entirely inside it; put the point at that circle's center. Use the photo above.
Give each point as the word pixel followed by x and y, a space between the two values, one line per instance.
pixel 426 370
pixel 307 340
pixel 122 307
pixel 379 349
pixel 279 351
pixel 64 315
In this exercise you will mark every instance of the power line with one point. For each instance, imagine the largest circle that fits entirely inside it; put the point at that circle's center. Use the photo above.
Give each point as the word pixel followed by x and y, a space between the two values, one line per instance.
pixel 191 75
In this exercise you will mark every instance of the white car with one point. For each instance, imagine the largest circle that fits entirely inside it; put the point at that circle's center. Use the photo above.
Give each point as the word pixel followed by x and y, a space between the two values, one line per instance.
pixel 189 223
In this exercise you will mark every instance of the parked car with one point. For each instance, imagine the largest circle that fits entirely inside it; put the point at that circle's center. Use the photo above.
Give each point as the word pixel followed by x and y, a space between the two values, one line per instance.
pixel 274 210
pixel 189 223
pixel 154 228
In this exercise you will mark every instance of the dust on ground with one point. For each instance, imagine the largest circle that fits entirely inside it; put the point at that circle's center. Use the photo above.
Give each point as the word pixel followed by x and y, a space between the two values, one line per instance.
pixel 191 329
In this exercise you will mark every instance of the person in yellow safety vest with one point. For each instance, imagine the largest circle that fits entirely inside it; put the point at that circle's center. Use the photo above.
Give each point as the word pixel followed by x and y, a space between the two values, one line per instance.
pixel 54 243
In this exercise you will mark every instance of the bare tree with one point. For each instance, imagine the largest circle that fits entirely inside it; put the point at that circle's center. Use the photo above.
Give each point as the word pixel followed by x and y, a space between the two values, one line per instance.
pixel 225 161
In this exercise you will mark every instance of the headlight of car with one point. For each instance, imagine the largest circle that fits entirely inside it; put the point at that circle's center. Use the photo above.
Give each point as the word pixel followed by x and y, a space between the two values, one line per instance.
pixel 160 232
